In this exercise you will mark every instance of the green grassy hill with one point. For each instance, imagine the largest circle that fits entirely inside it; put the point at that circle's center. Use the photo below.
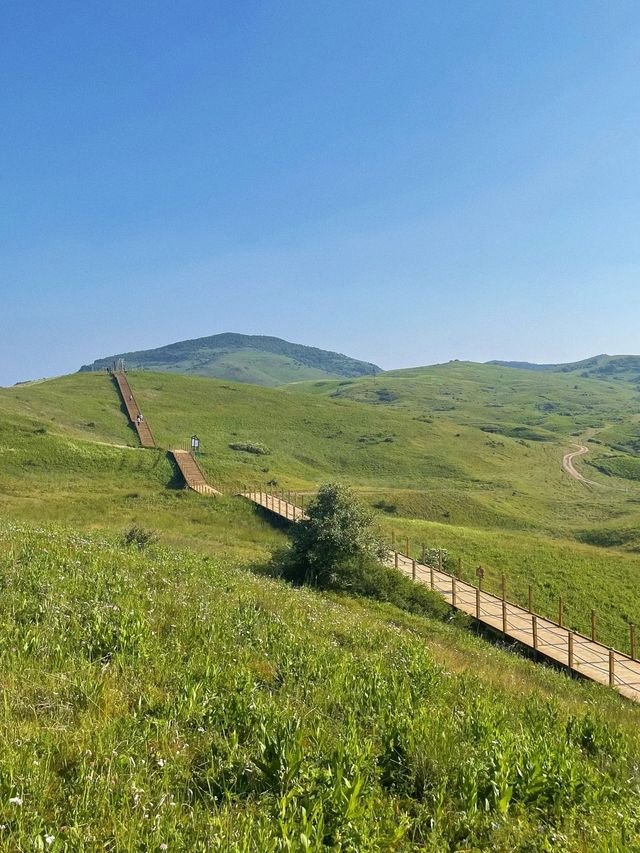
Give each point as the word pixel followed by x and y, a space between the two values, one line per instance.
pixel 440 453
pixel 160 700
pixel 170 696
pixel 624 368
pixel 256 359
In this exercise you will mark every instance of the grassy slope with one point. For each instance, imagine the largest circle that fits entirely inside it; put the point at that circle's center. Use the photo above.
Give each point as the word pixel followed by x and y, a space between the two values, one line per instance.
pixel 624 368
pixel 464 474
pixel 165 698
pixel 55 467
pixel 196 649
pixel 489 498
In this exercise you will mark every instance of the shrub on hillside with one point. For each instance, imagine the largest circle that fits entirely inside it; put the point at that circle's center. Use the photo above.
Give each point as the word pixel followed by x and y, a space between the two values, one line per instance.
pixel 337 530
pixel 249 447
pixel 139 537
pixel 339 547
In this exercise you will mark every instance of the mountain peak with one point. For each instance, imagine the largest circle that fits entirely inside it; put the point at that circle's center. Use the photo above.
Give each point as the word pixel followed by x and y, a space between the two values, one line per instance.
pixel 258 359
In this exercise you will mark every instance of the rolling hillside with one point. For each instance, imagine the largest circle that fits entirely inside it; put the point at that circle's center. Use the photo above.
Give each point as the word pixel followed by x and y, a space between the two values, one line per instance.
pixel 173 696
pixel 465 457
pixel 625 368
pixel 256 359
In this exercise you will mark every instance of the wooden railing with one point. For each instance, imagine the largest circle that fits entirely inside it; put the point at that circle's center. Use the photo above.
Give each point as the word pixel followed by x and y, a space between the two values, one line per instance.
pixel 582 655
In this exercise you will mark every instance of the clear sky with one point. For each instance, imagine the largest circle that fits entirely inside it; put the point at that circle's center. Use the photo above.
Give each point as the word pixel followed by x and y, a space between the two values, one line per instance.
pixel 406 182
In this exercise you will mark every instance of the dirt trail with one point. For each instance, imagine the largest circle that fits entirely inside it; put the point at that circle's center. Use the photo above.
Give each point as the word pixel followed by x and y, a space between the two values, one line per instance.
pixel 569 467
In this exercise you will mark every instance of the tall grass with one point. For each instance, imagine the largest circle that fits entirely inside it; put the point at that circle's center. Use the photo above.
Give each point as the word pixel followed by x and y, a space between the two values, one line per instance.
pixel 156 698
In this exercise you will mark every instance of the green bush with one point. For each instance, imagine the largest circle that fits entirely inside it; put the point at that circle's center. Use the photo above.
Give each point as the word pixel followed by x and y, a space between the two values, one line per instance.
pixel 139 537
pixel 339 548
pixel 249 447
pixel 338 530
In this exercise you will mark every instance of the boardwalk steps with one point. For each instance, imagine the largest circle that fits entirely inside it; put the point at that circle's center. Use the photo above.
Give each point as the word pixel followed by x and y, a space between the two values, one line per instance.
pixel 142 427
pixel 578 653
pixel 192 473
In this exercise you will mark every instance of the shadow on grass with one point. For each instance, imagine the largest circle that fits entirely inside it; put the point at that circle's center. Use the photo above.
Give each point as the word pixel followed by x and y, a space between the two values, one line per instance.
pixel 177 480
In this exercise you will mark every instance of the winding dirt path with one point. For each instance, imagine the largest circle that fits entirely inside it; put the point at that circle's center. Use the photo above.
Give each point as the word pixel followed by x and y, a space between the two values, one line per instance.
pixel 569 467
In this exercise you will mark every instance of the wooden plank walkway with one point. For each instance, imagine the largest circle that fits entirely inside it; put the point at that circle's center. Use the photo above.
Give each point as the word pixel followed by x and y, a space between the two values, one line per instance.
pixel 142 427
pixel 192 473
pixel 578 653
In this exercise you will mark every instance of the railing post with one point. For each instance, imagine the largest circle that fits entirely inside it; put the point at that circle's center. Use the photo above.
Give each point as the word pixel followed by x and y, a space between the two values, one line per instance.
pixel 431 577
pixel 453 590
pixel 593 626
pixel 612 674
pixel 561 612
pixel 413 569
pixel 395 559
pixel 503 585
pixel 570 649
pixel 302 502
pixel 478 602
pixel 393 539
pixel 534 630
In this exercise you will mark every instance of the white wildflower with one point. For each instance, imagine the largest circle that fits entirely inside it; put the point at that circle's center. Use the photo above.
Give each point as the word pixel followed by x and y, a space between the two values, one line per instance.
pixel 17 801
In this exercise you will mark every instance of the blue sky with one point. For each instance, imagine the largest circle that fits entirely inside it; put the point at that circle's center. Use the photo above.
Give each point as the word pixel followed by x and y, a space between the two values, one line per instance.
pixel 405 182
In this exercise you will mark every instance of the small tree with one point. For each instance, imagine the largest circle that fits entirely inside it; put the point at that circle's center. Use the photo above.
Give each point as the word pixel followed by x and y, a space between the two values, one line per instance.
pixel 338 531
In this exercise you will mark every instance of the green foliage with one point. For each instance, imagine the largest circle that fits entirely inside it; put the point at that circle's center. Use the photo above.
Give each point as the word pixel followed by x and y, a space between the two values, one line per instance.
pixel 163 698
pixel 248 447
pixel 338 533
pixel 139 537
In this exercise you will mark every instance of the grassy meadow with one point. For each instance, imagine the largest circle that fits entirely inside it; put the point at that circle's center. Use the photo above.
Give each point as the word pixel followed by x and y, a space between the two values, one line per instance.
pixel 160 700
pixel 171 698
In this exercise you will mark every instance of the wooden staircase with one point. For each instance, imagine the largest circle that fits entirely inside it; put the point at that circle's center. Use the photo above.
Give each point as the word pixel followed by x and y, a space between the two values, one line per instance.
pixel 192 473
pixel 142 427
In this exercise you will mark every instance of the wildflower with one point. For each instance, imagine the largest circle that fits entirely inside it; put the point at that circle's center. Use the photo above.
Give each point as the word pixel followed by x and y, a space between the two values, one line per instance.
pixel 17 801
pixel 164 846
pixel 49 839
pixel 161 762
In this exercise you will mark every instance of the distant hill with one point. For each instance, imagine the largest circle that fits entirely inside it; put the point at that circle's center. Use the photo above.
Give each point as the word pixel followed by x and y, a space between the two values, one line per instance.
pixel 621 367
pixel 257 359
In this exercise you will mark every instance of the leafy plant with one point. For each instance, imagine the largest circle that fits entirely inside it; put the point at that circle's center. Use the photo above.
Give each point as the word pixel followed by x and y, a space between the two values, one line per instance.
pixel 139 537
pixel 249 447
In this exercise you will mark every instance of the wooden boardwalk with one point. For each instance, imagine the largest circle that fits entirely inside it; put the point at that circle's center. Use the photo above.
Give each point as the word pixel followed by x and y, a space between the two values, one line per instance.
pixel 578 653
pixel 192 473
pixel 142 427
